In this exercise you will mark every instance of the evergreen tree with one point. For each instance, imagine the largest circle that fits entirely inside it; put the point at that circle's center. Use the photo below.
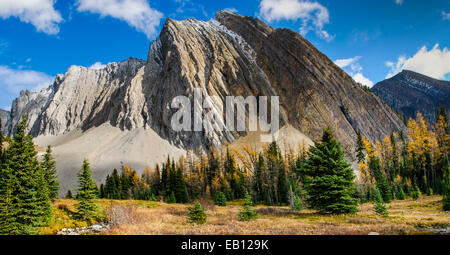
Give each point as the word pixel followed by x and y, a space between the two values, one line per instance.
pixel 115 185
pixel 360 148
pixel 180 187
pixel 258 180
pixel 415 194
pixel 379 206
pixel 44 199
pixel 446 196
pixel 401 194
pixel 220 199
pixel 330 179
pixel 196 214
pixel 294 201
pixel 101 192
pixel 87 192
pixel 395 165
pixel 446 200
pixel 380 178
pixel 8 208
pixel 69 194
pixel 24 203
pixel 49 167
pixel 282 186
pixel 171 199
pixel 247 212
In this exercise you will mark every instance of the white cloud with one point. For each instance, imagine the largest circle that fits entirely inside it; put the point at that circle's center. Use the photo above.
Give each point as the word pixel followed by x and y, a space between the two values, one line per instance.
pixel 98 66
pixel 40 13
pixel 352 66
pixel 15 80
pixel 445 15
pixel 137 13
pixel 399 2
pixel 359 77
pixel 434 63
pixel 231 9
pixel 313 15
pixel 342 63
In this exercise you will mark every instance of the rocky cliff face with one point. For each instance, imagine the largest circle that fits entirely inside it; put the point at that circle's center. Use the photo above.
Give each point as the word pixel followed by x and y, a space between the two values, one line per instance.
pixel 4 116
pixel 80 99
pixel 232 55
pixel 410 92
pixel 313 90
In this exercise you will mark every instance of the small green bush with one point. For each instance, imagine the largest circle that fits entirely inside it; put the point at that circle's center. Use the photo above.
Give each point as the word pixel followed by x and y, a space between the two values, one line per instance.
pixel 415 194
pixel 401 194
pixel 380 209
pixel 220 199
pixel 171 199
pixel 196 214
pixel 247 212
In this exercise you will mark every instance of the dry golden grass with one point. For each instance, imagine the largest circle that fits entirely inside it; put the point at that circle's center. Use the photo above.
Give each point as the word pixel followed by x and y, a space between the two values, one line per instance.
pixel 63 212
pixel 64 216
pixel 151 218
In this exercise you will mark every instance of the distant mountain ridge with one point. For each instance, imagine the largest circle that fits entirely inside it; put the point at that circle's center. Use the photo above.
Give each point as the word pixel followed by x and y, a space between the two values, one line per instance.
pixel 409 93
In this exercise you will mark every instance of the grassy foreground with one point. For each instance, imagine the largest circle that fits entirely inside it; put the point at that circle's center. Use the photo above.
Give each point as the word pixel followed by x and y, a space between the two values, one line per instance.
pixel 154 218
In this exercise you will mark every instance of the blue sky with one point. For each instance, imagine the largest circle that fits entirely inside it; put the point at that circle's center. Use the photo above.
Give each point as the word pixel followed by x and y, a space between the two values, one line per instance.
pixel 370 39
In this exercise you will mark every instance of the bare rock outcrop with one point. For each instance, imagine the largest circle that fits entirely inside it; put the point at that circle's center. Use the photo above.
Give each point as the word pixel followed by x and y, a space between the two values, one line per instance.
pixel 4 117
pixel 81 99
pixel 313 90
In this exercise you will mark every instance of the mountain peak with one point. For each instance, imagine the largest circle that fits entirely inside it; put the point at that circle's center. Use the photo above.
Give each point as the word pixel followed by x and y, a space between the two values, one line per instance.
pixel 230 56
pixel 410 92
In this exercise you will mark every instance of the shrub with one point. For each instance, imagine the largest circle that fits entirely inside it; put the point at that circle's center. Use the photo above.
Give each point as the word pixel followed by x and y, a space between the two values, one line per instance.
pixel 400 194
pixel 247 212
pixel 171 199
pixel 220 199
pixel 196 214
pixel 415 194
pixel 380 209
pixel 119 214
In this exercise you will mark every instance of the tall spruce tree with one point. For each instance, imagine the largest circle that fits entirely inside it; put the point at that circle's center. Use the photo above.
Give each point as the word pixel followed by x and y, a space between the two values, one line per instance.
pixel 258 179
pixel 49 167
pixel 380 178
pixel 87 192
pixel 330 179
pixel 360 148
pixel 24 204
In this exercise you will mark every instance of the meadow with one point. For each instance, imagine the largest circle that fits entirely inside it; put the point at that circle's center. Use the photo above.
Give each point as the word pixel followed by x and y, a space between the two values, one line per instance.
pixel 131 217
